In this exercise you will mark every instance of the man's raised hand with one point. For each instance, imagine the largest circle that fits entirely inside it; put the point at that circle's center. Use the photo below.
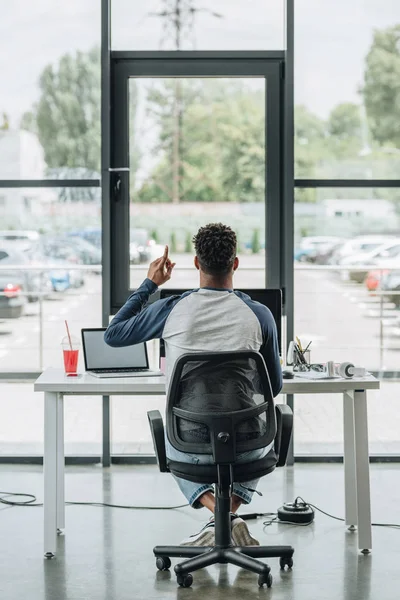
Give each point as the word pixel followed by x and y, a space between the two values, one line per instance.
pixel 160 270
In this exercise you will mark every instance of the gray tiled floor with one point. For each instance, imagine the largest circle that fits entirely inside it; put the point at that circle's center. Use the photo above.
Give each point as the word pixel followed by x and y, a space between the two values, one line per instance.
pixel 106 554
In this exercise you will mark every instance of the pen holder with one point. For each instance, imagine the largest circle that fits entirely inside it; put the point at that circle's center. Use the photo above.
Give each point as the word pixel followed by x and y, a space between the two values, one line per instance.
pixel 301 360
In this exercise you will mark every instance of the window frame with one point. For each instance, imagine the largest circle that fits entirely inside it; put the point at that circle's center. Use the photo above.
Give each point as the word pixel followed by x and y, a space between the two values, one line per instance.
pixel 125 65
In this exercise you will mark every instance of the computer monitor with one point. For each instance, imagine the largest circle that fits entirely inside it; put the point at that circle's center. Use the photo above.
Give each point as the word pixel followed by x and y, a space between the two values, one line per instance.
pixel 271 298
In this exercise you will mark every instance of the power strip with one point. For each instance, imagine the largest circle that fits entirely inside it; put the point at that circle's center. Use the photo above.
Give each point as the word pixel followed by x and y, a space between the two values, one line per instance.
pixel 297 512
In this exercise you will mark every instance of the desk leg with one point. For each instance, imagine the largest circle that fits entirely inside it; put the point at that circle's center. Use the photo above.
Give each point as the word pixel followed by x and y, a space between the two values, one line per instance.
pixel 106 432
pixel 60 464
pixel 350 486
pixel 290 456
pixel 50 474
pixel 362 471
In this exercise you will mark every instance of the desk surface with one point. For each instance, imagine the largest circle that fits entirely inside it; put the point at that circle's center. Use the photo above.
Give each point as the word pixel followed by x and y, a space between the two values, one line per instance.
pixel 54 380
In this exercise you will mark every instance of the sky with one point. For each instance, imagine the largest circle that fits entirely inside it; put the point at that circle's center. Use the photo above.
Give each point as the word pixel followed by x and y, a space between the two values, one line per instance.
pixel 332 38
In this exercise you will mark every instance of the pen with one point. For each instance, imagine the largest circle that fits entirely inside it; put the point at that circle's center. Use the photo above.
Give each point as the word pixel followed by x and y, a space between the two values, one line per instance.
pixel 308 345
pixel 300 354
pixel 299 344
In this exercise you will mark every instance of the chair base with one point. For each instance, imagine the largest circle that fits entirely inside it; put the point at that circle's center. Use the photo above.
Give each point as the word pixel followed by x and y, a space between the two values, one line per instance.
pixel 204 556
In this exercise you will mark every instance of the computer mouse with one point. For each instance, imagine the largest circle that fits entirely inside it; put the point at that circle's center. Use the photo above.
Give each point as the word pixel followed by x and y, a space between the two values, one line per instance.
pixel 287 374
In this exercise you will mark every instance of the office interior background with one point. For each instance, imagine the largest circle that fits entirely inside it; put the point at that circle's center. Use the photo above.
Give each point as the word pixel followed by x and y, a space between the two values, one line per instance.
pixel 126 125
pixel 199 149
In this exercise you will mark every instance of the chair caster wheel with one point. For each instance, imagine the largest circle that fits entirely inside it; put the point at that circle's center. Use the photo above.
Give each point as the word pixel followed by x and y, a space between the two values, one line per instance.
pixel 163 563
pixel 185 580
pixel 49 555
pixel 283 562
pixel 265 579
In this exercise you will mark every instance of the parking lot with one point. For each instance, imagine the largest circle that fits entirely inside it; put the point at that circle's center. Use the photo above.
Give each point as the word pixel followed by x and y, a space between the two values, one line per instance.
pixel 326 310
pixel 340 318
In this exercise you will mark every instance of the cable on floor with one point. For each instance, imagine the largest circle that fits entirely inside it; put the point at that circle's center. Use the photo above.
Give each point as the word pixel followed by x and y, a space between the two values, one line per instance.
pixel 274 518
pixel 32 502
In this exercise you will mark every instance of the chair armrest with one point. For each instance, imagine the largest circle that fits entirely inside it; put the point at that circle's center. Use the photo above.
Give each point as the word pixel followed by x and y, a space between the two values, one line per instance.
pixel 284 427
pixel 157 433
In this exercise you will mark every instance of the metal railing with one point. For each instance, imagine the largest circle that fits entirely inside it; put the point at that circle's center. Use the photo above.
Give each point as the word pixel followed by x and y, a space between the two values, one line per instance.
pixel 381 294
pixel 44 270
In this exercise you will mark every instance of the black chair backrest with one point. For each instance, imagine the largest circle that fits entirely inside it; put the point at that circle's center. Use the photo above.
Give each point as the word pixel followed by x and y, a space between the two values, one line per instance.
pixel 220 403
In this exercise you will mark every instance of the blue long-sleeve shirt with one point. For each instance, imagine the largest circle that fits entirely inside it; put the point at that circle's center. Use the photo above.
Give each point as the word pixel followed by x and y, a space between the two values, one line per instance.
pixel 204 319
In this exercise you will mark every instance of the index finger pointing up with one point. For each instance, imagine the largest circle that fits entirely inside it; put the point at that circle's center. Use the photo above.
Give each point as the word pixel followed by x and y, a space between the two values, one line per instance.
pixel 165 255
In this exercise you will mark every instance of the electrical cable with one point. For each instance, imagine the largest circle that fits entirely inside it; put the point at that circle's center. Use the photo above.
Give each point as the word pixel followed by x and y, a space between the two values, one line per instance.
pixel 32 502
pixel 273 517
pixel 391 525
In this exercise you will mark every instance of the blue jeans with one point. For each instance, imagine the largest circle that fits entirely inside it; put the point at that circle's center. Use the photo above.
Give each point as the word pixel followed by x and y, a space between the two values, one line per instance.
pixel 192 491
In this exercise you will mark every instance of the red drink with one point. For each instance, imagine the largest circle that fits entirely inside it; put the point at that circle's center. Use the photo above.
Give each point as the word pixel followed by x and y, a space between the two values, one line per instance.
pixel 71 361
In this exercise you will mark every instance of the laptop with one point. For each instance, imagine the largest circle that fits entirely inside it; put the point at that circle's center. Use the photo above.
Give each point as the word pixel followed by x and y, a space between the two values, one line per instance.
pixel 102 360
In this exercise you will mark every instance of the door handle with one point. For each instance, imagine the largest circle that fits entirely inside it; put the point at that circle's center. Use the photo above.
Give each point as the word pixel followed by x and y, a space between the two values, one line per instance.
pixel 116 186
pixel 116 180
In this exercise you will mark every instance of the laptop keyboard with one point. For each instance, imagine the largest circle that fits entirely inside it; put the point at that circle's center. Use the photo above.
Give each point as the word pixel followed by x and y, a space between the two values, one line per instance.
pixel 130 370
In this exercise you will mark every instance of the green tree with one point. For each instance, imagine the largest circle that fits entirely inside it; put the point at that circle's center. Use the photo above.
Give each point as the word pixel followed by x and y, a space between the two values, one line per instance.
pixel 6 123
pixel 310 149
pixel 173 243
pixel 188 243
pixel 255 242
pixel 381 90
pixel 344 122
pixel 66 117
pixel 221 145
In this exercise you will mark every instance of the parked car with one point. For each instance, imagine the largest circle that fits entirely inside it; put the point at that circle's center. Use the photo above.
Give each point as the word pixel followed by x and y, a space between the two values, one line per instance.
pixel 90 234
pixel 316 249
pixel 357 245
pixel 61 279
pixel 373 279
pixel 71 250
pixel 134 254
pixel 381 256
pixel 49 279
pixel 390 284
pixel 48 254
pixel 87 252
pixel 17 286
pixel 12 302
pixel 22 238
pixel 141 242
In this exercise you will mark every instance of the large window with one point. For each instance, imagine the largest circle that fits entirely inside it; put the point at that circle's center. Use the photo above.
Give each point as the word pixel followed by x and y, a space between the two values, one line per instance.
pixel 50 90
pixel 201 142
pixel 200 146
pixel 50 271
pixel 197 155
pixel 347 58
pixel 50 256
pixel 347 299
pixel 347 242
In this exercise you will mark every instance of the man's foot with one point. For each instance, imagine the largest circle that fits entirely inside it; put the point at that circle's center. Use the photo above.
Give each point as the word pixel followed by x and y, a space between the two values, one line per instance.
pixel 205 537
pixel 241 535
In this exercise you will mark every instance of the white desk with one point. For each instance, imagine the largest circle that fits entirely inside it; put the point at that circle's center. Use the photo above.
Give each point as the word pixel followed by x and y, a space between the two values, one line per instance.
pixel 56 385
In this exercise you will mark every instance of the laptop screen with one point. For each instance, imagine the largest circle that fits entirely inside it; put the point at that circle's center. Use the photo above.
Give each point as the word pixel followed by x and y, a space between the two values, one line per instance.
pixel 98 355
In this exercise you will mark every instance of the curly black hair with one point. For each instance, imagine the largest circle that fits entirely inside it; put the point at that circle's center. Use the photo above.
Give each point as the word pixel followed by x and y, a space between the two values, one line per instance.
pixel 215 246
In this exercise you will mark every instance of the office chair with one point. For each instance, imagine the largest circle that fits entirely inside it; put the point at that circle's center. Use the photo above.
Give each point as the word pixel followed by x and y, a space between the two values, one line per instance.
pixel 239 416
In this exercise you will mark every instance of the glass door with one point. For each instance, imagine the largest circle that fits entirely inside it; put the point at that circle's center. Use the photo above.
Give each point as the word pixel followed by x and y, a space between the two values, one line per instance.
pixel 195 141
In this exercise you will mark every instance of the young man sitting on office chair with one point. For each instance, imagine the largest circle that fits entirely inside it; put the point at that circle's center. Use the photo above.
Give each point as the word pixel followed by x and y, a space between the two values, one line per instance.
pixel 211 318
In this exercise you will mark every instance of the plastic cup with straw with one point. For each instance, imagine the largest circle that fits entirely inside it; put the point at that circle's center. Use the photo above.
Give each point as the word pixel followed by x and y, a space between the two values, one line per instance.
pixel 70 347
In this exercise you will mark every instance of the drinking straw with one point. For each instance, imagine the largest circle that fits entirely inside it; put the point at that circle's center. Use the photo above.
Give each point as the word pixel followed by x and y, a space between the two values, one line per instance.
pixel 69 337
